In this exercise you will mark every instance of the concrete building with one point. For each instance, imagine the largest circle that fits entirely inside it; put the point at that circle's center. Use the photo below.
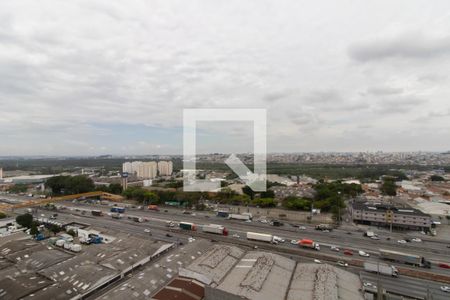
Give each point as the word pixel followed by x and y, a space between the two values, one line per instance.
pixel 377 214
pixel 127 167
pixel 165 168
pixel 147 170
pixel 1 173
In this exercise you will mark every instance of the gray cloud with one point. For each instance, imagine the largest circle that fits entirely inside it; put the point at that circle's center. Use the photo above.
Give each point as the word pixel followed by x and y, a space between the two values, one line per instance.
pixel 384 90
pixel 408 45
pixel 70 68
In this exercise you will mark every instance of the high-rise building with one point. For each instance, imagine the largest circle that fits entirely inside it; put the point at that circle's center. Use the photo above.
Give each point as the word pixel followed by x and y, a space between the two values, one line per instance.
pixel 127 168
pixel 1 173
pixel 165 168
pixel 147 170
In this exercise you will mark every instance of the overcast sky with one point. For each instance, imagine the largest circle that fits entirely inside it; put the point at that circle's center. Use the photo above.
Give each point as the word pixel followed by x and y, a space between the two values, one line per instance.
pixel 96 77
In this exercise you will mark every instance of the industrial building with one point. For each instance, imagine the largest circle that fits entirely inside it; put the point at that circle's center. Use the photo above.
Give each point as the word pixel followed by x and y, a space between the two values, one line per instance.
pixel 231 273
pixel 40 270
pixel 383 215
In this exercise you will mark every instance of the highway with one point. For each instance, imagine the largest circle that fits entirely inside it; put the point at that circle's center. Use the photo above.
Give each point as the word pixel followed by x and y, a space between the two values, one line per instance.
pixel 436 252
pixel 157 225
pixel 406 286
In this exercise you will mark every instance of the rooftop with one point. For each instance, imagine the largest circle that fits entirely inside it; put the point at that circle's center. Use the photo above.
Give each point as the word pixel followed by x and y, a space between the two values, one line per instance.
pixel 367 206
pixel 259 275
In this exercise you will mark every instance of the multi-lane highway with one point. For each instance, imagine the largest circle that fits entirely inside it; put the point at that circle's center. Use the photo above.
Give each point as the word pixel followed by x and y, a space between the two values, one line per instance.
pixel 156 223
pixel 436 252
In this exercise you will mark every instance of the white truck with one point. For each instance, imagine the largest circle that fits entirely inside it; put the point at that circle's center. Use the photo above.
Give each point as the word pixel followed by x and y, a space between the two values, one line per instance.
pixel 369 234
pixel 261 237
pixel 239 217
pixel 214 228
pixel 383 269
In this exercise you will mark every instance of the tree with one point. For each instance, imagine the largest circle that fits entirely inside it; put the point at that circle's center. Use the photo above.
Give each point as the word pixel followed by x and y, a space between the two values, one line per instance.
pixel 115 188
pixel 25 220
pixel 34 229
pixel 55 228
pixel 70 184
pixel 388 187
pixel 2 215
pixel 18 188
pixel 268 194
pixel 437 178
pixel 71 232
pixel 264 202
pixel 248 191
pixel 151 198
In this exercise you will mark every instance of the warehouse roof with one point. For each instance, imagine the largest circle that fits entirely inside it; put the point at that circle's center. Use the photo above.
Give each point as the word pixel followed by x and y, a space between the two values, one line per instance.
pixel 217 262
pixel 181 289
pixel 259 275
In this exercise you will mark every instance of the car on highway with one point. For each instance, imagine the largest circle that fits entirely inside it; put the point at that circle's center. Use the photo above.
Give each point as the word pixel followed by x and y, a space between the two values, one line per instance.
pixel 401 242
pixel 445 289
pixel 369 285
pixel 364 254
pixel 236 235
pixel 342 263
pixel 348 232
pixel 147 230
pixel 417 240
pixel 444 265
pixel 302 228
pixel 317 261
pixel 294 242
pixel 248 221
pixel 375 237
pixel 168 235
pixel 348 252
pixel 335 248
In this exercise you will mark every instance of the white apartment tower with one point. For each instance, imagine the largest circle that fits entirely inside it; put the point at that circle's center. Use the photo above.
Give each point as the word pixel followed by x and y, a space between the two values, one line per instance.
pixel 127 168
pixel 147 170
pixel 165 168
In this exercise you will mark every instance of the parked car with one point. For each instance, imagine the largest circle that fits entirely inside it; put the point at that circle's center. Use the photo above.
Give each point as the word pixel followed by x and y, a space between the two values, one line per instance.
pixel 445 289
pixel 417 240
pixel 317 261
pixel 375 238
pixel 401 242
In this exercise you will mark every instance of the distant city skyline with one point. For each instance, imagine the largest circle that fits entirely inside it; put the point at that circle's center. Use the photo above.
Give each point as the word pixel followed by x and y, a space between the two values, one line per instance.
pixel 113 77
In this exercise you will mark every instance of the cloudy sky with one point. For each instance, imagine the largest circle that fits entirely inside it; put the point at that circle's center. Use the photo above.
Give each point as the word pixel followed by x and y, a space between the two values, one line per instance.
pixel 96 77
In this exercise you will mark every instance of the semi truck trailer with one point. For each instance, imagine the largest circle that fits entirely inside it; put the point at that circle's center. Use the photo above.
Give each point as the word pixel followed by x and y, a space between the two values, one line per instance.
pixel 97 213
pixel 188 226
pixel 213 228
pixel 410 259
pixel 261 237
pixel 117 209
pixel 239 217
pixel 306 243
pixel 383 269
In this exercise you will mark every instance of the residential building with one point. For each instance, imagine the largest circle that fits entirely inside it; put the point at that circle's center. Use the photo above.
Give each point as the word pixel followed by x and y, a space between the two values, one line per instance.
pixel 165 168
pixel 377 214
